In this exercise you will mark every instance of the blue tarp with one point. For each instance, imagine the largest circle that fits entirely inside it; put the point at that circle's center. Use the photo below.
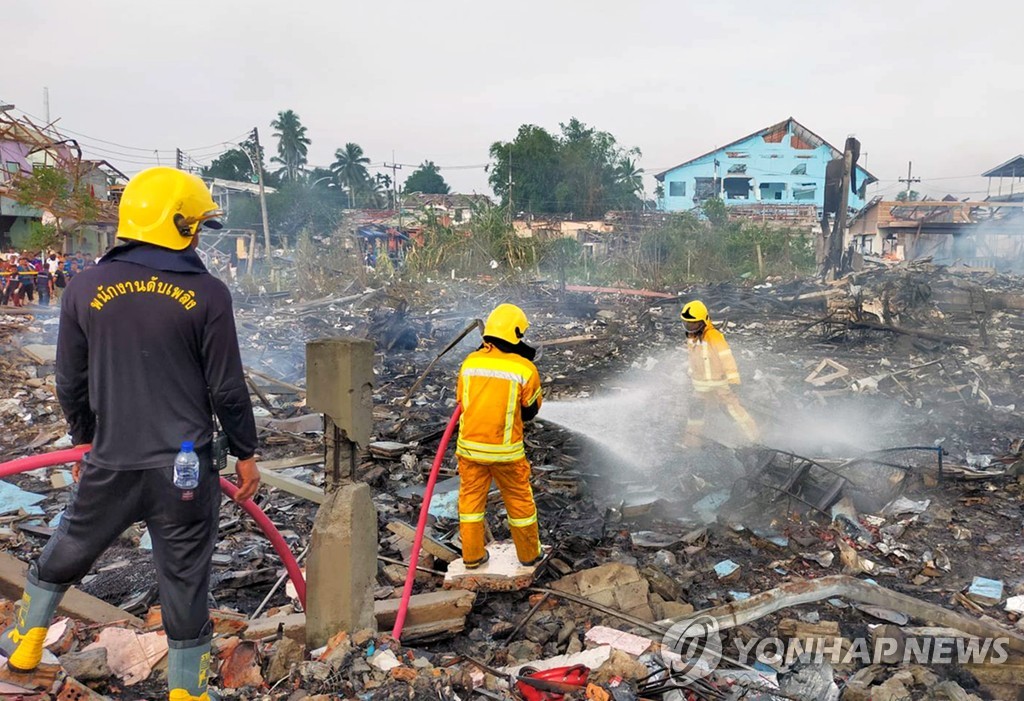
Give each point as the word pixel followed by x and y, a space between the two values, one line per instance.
pixel 14 499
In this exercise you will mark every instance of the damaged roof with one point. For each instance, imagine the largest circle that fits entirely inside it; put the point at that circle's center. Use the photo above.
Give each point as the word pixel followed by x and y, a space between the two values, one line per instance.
pixel 1013 168
pixel 798 129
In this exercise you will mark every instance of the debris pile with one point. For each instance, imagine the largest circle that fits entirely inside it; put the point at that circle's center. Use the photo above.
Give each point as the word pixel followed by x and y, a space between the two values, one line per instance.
pixel 881 513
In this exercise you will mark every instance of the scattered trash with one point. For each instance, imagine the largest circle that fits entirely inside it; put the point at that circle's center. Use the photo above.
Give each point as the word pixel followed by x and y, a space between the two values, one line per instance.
pixel 988 592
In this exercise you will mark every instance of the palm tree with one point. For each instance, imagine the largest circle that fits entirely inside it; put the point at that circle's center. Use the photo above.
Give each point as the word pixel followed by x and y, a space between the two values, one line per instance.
pixel 350 167
pixel 292 144
pixel 630 175
pixel 382 193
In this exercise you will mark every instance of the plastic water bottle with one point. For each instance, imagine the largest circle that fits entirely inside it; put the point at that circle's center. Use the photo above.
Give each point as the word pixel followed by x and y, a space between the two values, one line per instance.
pixel 186 467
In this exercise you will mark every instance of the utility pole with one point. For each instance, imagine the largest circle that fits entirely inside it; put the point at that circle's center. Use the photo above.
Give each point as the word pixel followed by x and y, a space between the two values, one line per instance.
pixel 510 216
pixel 179 161
pixel 908 180
pixel 46 104
pixel 257 164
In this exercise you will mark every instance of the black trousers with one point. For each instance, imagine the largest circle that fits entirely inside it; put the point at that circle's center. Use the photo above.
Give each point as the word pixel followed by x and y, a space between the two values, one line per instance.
pixel 183 526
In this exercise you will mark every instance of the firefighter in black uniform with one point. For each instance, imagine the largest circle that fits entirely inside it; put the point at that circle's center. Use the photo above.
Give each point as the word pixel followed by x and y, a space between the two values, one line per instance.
pixel 146 353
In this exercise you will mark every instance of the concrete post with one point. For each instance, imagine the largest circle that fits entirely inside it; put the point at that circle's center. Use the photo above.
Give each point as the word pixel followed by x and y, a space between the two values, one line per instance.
pixel 342 569
pixel 339 382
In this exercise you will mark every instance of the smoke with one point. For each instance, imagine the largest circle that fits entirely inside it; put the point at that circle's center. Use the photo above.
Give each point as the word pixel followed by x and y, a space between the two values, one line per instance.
pixel 639 418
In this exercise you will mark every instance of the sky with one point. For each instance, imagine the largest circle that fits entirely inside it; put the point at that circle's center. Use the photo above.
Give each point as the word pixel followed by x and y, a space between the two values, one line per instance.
pixel 929 81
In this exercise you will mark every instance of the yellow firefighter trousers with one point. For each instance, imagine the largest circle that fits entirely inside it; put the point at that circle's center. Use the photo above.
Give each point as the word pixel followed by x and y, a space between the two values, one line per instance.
pixel 513 480
pixel 723 398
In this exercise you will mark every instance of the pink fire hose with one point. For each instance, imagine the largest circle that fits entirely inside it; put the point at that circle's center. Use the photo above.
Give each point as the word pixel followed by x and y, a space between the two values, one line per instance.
pixel 428 493
pixel 60 457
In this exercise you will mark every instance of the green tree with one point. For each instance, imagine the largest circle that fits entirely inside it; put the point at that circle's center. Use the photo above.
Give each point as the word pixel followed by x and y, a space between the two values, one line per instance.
pixel 231 165
pixel 902 196
pixel 427 179
pixel 715 211
pixel 526 170
pixel 292 145
pixel 296 206
pixel 630 175
pixel 582 171
pixel 63 192
pixel 350 167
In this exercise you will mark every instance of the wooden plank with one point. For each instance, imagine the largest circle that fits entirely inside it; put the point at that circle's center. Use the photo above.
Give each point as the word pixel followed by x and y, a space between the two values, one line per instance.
pixel 288 463
pixel 429 614
pixel 288 484
pixel 431 545
pixel 433 613
pixel 75 603
pixel 572 340
pixel 792 628
pixel 619 291
pixel 274 381
pixel 282 464
pixel 293 486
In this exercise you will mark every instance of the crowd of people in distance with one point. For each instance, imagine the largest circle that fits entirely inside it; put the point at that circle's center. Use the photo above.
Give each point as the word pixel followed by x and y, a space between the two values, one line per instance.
pixel 38 277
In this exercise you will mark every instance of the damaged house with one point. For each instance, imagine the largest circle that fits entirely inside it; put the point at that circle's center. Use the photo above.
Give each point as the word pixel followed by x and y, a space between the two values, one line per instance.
pixel 980 234
pixel 776 173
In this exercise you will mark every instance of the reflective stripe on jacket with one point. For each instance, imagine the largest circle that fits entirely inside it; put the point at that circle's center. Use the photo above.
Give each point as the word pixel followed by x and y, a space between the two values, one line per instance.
pixel 712 365
pixel 492 388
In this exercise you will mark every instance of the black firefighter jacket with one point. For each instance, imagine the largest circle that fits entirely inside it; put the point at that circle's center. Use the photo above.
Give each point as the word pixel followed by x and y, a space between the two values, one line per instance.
pixel 146 344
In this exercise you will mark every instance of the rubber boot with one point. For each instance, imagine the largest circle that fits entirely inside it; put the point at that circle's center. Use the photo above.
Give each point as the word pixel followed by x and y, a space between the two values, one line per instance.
pixel 22 642
pixel 187 670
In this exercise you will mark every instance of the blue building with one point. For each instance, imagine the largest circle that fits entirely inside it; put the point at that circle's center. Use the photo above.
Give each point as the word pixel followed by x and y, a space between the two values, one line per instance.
pixel 783 164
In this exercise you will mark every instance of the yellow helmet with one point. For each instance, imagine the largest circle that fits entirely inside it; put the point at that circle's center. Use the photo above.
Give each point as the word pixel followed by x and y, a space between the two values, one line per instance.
pixel 507 322
pixel 694 311
pixel 165 207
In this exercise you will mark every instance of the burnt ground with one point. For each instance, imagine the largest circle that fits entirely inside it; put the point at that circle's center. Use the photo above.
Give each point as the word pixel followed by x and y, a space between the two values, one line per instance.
pixel 612 483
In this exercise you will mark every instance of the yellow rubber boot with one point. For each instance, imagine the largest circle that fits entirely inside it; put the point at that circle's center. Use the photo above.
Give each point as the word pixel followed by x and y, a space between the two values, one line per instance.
pixel 22 643
pixel 183 695
pixel 187 670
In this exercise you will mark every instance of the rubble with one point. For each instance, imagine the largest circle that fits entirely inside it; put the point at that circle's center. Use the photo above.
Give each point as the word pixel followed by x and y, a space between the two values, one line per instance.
pixel 651 535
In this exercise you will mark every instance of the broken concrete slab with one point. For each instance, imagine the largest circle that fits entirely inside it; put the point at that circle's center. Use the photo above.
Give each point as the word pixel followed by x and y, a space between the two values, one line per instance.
pixel 40 354
pixel 290 625
pixel 593 658
pixel 503 572
pixel 616 585
pixel 429 614
pixel 635 645
pixel 87 665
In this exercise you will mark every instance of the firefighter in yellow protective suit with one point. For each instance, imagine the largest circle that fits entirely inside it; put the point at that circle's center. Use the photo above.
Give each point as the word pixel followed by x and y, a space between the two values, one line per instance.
pixel 713 372
pixel 499 388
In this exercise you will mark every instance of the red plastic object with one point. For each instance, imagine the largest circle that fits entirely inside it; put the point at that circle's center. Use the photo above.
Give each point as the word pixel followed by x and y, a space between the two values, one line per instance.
pixel 275 538
pixel 61 457
pixel 428 493
pixel 34 462
pixel 551 684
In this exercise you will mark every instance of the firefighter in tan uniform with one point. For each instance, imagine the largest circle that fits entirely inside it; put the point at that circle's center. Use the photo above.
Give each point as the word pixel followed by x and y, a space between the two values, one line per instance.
pixel 713 372
pixel 499 388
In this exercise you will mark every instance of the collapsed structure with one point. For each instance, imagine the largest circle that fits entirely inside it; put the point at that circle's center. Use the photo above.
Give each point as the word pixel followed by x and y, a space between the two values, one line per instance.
pixel 881 513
